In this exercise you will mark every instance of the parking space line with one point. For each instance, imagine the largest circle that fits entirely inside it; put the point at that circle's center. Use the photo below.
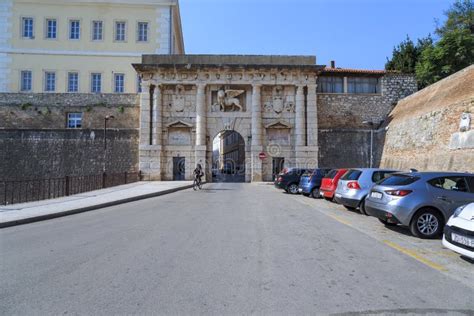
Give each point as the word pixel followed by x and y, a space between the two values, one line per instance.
pixel 333 216
pixel 340 219
pixel 415 255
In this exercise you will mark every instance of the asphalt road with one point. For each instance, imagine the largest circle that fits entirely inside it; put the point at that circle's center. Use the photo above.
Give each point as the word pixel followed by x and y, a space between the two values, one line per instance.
pixel 228 249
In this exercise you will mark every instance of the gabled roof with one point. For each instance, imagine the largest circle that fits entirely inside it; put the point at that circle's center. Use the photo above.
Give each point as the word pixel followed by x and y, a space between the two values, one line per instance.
pixel 179 123
pixel 278 124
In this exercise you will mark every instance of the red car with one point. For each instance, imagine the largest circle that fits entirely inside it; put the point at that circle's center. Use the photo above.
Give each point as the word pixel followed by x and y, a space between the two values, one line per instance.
pixel 329 183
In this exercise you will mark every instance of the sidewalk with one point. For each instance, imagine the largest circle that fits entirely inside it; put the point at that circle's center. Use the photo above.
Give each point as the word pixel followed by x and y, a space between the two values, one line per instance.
pixel 17 214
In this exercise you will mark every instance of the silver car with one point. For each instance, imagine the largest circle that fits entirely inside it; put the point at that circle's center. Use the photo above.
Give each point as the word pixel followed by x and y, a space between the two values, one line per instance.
pixel 423 201
pixel 355 184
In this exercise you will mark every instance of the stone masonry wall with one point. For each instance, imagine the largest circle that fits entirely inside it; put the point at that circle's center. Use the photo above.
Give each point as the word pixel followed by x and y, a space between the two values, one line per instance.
pixel 348 148
pixel 344 141
pixel 49 110
pixel 424 129
pixel 34 141
pixel 339 110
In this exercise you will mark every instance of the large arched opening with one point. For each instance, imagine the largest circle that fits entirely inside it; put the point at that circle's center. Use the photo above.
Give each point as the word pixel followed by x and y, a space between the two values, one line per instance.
pixel 228 157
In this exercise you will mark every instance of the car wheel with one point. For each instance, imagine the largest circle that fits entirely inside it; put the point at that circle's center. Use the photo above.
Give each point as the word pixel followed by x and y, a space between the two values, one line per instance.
pixel 293 188
pixel 315 194
pixel 362 207
pixel 386 223
pixel 427 224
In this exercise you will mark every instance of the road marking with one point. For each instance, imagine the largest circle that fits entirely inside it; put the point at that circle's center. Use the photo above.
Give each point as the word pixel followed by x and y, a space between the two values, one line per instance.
pixel 415 255
pixel 340 219
pixel 333 216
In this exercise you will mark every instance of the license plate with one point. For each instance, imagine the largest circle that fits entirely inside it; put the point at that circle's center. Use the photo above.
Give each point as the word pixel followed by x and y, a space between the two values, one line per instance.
pixel 338 195
pixel 376 195
pixel 462 240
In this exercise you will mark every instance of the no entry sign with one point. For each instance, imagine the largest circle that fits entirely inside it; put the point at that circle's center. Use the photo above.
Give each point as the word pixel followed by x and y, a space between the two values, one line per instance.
pixel 262 155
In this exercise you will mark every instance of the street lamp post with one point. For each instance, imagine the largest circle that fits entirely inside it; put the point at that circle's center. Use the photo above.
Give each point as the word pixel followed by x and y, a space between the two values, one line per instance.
pixel 371 124
pixel 106 118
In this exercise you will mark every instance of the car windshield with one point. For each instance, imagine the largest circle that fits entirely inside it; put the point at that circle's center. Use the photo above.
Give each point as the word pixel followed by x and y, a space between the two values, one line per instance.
pixel 331 174
pixel 307 174
pixel 352 174
pixel 398 179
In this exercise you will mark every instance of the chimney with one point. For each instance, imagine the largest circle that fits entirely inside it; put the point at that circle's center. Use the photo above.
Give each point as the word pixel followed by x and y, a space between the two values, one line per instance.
pixel 333 64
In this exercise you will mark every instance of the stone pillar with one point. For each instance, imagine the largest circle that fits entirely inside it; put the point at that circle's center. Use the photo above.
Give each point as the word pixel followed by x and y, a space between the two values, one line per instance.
pixel 300 132
pixel 201 126
pixel 150 150
pixel 306 149
pixel 145 113
pixel 157 116
pixel 312 115
pixel 257 133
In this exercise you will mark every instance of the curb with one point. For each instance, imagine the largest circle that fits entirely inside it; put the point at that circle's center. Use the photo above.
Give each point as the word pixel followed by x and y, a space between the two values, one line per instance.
pixel 90 208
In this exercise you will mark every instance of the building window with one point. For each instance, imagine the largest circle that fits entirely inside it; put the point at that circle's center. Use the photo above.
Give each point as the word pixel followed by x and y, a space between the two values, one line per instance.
pixel 97 31
pixel 51 28
pixel 73 82
pixel 331 84
pixel 26 79
pixel 119 80
pixel 74 120
pixel 120 31
pixel 74 29
pixel 142 32
pixel 49 81
pixel 27 28
pixel 362 85
pixel 96 83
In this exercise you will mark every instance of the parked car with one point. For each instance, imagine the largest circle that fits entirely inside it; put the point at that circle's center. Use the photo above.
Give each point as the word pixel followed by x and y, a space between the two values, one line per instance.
pixel 459 231
pixel 354 186
pixel 289 179
pixel 423 201
pixel 310 182
pixel 329 183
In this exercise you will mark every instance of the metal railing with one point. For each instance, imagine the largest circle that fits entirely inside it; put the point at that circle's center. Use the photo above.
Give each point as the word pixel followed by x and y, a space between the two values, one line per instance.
pixel 21 191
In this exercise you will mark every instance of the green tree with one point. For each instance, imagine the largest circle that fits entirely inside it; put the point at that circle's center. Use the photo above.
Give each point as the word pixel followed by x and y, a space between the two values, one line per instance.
pixel 455 48
pixel 453 51
pixel 404 57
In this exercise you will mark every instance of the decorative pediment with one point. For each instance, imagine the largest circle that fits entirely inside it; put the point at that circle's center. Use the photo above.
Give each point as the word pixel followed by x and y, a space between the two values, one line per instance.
pixel 179 124
pixel 278 124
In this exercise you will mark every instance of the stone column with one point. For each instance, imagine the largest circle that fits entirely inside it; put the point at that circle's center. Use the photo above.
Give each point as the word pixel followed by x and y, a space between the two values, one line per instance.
pixel 145 113
pixel 257 134
pixel 306 149
pixel 300 132
pixel 150 141
pixel 201 127
pixel 157 116
pixel 312 115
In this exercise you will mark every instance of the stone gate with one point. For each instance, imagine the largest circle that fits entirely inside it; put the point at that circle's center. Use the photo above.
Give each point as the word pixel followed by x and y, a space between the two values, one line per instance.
pixel 186 100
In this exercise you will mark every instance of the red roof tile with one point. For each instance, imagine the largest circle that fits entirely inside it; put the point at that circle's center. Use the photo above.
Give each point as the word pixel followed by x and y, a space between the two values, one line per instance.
pixel 350 70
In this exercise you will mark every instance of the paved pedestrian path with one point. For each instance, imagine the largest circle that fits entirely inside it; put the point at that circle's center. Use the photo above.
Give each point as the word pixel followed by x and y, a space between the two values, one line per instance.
pixel 23 213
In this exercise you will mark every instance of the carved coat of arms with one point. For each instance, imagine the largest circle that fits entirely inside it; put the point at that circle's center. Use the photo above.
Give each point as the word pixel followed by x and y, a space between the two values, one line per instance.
pixel 178 99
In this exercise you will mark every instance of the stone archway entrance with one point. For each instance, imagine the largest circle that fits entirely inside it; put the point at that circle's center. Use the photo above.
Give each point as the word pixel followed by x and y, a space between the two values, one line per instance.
pixel 270 100
pixel 228 157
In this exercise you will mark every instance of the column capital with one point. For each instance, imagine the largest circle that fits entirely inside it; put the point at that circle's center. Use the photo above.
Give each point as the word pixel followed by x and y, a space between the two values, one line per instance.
pixel 312 88
pixel 256 87
pixel 145 85
pixel 201 86
pixel 299 88
pixel 157 88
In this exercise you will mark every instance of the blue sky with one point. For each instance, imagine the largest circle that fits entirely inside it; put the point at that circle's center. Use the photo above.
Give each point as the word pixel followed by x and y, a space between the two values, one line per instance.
pixel 354 33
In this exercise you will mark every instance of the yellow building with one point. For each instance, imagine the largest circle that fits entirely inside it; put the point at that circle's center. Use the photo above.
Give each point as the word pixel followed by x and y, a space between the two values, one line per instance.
pixel 83 45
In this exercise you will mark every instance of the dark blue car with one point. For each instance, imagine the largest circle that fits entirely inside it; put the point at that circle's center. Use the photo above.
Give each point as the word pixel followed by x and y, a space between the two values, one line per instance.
pixel 310 182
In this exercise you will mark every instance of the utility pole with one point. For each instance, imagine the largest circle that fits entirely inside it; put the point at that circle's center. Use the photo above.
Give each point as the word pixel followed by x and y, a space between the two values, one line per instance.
pixel 106 118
